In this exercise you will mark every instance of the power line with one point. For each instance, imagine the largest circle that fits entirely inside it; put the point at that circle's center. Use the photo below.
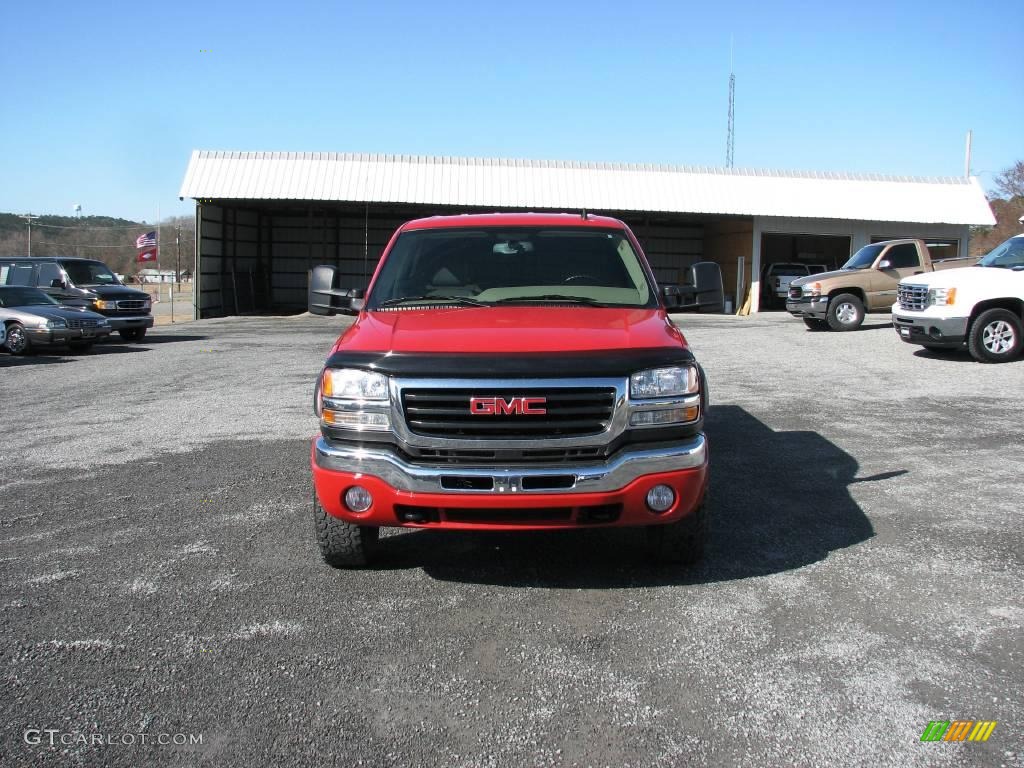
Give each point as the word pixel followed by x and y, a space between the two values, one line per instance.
pixel 82 245
pixel 120 226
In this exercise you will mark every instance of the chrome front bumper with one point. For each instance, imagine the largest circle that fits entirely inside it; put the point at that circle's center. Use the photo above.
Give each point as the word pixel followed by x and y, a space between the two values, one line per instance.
pixel 618 472
pixel 808 306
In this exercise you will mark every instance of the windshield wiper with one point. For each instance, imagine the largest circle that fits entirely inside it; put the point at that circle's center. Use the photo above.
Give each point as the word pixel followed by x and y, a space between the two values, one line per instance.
pixel 553 297
pixel 464 300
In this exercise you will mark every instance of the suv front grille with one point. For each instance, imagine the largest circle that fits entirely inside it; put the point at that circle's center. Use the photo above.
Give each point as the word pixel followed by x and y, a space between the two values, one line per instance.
pixel 82 323
pixel 131 305
pixel 912 297
pixel 570 412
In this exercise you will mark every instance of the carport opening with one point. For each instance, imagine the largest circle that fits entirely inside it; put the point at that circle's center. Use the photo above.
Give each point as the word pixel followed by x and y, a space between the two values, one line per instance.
pixel 816 253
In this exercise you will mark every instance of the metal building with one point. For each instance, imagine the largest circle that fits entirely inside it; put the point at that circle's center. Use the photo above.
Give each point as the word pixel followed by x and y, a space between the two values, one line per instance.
pixel 264 219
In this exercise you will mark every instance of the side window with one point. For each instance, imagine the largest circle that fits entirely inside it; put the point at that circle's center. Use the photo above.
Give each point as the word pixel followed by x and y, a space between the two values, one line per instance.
pixel 16 274
pixel 903 256
pixel 48 272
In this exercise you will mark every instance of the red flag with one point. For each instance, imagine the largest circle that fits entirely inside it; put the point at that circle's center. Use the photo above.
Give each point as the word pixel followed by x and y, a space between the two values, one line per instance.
pixel 147 255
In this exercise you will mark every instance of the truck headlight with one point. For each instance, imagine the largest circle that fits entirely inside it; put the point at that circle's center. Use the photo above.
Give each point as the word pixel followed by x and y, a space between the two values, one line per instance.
pixel 349 383
pixel 106 304
pixel 354 399
pixel 811 289
pixel 664 382
pixel 941 297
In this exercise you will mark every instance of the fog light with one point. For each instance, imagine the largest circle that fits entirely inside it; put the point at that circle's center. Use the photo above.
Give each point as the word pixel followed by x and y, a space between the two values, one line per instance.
pixel 660 498
pixel 358 499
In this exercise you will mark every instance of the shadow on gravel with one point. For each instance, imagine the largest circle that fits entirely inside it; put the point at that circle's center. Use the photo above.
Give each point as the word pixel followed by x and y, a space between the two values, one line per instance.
pixel 10 361
pixel 156 338
pixel 778 501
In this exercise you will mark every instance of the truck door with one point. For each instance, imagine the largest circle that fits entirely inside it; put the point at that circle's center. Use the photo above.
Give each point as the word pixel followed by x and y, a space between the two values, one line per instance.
pixel 904 260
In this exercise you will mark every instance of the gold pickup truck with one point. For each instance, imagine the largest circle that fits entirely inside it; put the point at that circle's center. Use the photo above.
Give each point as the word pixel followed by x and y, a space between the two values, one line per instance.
pixel 867 282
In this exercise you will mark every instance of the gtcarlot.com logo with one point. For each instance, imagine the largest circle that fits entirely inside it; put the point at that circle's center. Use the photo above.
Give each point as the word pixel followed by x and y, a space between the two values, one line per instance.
pixel 958 730
pixel 54 737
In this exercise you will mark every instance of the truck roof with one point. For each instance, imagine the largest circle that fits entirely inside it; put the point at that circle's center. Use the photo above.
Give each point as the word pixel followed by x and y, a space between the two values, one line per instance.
pixel 38 259
pixel 514 220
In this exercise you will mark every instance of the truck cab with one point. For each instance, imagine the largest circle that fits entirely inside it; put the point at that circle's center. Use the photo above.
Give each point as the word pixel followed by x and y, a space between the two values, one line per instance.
pixel 84 283
pixel 509 372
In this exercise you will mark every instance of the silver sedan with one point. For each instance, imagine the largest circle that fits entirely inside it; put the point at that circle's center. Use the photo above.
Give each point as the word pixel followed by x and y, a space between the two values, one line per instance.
pixel 30 319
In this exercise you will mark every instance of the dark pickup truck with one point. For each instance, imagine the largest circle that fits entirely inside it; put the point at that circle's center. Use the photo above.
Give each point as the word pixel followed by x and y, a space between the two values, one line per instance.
pixel 84 283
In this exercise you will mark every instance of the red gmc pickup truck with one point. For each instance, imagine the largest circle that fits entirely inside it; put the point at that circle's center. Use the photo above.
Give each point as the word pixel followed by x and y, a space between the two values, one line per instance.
pixel 510 372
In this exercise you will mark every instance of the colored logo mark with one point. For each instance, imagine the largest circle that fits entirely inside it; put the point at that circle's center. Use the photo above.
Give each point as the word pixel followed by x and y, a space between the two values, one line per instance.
pixel 958 730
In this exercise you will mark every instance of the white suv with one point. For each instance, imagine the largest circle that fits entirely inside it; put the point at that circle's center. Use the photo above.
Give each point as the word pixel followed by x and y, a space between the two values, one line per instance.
pixel 980 306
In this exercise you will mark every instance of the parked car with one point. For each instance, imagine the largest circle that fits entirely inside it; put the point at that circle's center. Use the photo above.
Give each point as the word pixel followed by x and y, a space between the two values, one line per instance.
pixel 84 283
pixel 509 372
pixel 776 280
pixel 866 283
pixel 981 307
pixel 32 319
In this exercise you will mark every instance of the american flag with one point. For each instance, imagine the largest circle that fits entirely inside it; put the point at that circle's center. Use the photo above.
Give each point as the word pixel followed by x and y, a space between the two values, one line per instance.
pixel 146 240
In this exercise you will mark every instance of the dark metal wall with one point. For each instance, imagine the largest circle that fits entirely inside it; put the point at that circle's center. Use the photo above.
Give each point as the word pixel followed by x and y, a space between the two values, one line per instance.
pixel 255 256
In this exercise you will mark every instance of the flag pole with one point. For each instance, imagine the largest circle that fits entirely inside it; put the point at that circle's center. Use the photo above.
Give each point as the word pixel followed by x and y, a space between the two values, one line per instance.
pixel 158 251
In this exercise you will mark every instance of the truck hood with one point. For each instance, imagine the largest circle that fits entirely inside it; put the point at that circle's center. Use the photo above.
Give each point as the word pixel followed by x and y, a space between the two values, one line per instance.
pixel 825 276
pixel 510 330
pixel 992 280
pixel 115 292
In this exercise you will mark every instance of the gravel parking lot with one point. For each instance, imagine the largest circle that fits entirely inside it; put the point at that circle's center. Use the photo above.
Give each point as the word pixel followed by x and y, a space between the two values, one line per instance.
pixel 159 574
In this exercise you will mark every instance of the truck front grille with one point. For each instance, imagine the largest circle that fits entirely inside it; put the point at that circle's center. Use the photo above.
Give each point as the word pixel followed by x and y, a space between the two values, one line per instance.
pixel 912 297
pixel 569 412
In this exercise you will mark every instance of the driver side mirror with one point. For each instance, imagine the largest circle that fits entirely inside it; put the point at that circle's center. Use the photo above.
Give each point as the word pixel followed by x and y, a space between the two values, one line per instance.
pixel 58 283
pixel 885 264
pixel 326 299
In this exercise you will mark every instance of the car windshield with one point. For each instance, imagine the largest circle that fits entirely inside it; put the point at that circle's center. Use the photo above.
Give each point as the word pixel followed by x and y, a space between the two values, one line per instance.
pixel 1007 255
pixel 535 265
pixel 24 297
pixel 864 258
pixel 90 273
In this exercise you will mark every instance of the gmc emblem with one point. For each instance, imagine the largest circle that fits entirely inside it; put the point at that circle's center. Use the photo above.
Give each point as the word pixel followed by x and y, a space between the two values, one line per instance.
pixel 514 406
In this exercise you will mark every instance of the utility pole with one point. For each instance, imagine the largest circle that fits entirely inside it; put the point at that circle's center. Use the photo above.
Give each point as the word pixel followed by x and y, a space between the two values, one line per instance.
pixel 28 217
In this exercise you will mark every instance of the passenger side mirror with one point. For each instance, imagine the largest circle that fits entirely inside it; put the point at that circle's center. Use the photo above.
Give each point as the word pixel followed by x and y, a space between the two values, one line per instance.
pixel 326 299
pixel 671 296
pixel 885 264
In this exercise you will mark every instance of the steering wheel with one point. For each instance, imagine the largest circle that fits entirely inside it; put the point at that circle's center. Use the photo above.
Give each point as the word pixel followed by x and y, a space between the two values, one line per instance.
pixel 593 280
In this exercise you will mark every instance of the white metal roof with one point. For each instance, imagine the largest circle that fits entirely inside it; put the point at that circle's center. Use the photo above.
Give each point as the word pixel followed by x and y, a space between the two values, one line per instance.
pixel 572 186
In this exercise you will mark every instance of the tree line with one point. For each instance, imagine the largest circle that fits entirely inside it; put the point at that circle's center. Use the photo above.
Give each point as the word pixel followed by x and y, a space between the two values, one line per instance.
pixel 104 238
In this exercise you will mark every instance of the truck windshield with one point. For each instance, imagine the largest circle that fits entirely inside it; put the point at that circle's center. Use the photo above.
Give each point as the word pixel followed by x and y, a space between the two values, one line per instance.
pixel 535 265
pixel 864 258
pixel 24 297
pixel 1007 255
pixel 89 273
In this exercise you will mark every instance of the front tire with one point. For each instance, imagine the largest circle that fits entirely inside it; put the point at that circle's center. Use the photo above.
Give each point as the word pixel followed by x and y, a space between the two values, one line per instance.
pixel 17 342
pixel 845 312
pixel 995 336
pixel 133 334
pixel 815 324
pixel 680 543
pixel 342 544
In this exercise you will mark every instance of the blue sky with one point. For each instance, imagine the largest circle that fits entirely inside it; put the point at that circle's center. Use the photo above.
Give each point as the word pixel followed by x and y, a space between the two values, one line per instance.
pixel 104 102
